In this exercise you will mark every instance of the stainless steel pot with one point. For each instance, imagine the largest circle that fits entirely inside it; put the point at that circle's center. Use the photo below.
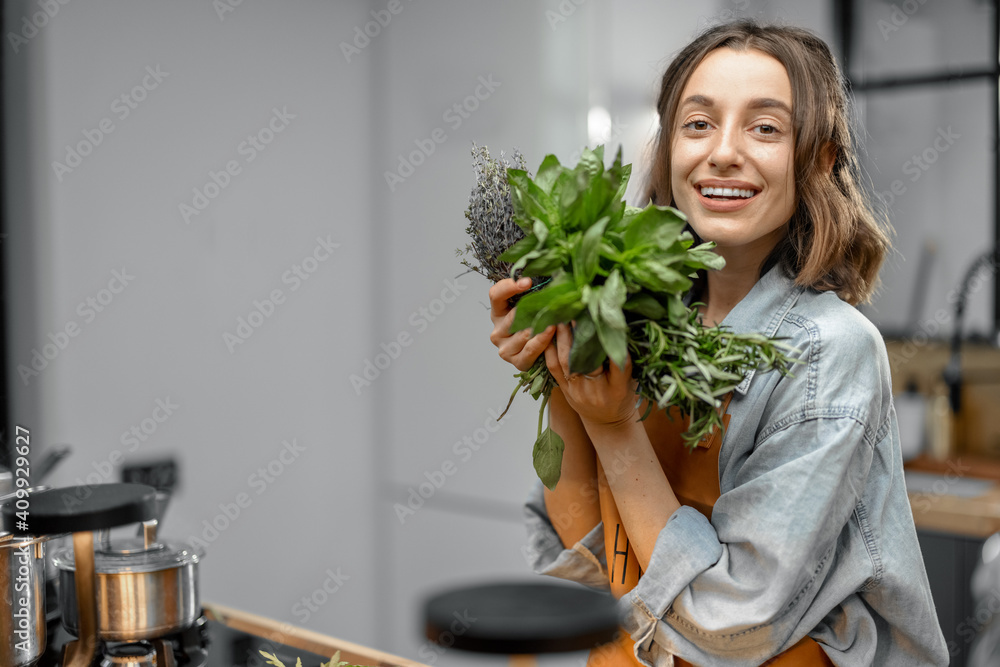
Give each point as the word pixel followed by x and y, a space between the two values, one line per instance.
pixel 22 599
pixel 144 589
pixel 7 525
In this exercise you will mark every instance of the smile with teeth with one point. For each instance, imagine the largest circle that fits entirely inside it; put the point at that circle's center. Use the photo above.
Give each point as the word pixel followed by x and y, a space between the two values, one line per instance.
pixel 727 193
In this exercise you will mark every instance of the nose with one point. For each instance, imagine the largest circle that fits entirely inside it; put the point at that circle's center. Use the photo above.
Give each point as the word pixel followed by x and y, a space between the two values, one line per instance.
pixel 727 149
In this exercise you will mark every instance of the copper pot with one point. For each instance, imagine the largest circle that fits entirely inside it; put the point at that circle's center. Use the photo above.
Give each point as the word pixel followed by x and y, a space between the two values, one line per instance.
pixel 143 590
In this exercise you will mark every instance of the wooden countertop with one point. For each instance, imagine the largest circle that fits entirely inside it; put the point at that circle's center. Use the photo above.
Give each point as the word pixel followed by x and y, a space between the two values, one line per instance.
pixel 944 511
pixel 307 640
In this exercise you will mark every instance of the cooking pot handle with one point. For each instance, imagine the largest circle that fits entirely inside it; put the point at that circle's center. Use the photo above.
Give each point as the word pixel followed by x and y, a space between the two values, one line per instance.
pixel 149 533
pixel 83 508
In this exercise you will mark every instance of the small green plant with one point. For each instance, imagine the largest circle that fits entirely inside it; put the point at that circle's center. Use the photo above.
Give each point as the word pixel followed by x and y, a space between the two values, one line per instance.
pixel 619 274
pixel 335 661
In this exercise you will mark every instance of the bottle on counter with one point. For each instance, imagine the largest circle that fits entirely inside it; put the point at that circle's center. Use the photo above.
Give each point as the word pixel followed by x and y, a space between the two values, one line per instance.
pixel 911 413
pixel 940 424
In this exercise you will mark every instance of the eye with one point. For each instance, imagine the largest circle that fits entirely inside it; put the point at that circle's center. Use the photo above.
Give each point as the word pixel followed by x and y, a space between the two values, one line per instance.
pixel 698 125
pixel 766 129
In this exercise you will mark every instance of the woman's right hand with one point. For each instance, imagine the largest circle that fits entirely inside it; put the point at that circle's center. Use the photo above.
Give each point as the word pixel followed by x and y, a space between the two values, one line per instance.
pixel 520 349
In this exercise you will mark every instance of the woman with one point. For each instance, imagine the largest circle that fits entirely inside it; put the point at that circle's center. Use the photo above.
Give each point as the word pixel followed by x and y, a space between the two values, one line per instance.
pixel 809 552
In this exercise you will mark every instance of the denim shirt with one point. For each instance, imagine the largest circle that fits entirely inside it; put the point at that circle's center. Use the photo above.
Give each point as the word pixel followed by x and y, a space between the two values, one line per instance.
pixel 813 532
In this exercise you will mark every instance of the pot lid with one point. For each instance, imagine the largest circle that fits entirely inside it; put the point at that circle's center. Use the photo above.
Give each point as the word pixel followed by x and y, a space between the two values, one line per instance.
pixel 81 508
pixel 131 556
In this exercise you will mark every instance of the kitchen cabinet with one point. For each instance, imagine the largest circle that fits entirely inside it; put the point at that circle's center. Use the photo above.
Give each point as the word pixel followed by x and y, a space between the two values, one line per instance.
pixel 956 507
pixel 951 560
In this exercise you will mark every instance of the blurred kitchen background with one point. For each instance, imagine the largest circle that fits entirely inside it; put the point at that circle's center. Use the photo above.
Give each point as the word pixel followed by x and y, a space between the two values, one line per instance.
pixel 229 234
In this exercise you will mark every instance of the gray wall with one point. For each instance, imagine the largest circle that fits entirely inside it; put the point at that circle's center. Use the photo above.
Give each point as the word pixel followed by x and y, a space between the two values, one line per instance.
pixel 364 449
pixel 160 336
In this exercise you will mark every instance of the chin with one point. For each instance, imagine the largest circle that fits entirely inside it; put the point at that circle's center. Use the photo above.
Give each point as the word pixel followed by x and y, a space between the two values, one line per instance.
pixel 719 234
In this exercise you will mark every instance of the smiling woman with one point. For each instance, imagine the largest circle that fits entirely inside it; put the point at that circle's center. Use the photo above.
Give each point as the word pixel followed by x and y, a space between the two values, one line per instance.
pixel 732 169
pixel 788 539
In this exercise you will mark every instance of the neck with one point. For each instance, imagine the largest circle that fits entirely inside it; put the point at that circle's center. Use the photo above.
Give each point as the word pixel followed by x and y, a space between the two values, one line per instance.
pixel 726 288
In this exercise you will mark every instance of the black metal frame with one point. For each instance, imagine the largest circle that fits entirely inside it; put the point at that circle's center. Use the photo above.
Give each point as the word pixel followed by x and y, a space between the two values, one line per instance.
pixel 5 430
pixel 844 15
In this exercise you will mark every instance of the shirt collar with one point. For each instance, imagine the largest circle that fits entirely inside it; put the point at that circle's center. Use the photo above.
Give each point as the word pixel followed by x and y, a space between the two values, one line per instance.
pixel 762 310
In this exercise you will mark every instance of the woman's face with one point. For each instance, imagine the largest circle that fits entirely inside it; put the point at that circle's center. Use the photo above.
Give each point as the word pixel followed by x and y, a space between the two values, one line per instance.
pixel 732 153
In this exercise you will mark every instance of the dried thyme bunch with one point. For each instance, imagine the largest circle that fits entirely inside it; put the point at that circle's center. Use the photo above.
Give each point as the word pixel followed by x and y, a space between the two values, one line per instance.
pixel 491 214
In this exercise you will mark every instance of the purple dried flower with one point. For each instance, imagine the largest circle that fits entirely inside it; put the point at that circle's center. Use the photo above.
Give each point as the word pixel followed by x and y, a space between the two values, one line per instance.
pixel 491 229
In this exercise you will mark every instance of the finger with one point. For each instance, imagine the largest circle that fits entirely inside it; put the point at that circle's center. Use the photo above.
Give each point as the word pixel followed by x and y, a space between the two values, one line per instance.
pixel 525 357
pixel 537 344
pixel 508 322
pixel 510 346
pixel 564 342
pixel 552 362
pixel 501 327
pixel 504 290
pixel 620 377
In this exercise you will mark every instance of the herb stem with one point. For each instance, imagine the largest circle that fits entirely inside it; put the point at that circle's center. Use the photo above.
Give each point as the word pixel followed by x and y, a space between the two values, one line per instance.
pixel 541 413
pixel 512 395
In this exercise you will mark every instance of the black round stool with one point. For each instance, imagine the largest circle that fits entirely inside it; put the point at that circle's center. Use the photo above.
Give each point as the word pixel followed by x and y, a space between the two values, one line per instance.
pixel 521 619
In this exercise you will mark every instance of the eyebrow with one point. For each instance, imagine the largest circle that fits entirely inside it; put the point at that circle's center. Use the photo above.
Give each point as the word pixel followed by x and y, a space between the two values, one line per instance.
pixel 755 103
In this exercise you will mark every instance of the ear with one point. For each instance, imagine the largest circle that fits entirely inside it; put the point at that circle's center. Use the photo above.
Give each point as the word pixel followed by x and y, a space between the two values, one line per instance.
pixel 828 157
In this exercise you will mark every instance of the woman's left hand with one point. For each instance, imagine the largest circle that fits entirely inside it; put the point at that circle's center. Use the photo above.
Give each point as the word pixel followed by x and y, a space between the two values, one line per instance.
pixel 604 397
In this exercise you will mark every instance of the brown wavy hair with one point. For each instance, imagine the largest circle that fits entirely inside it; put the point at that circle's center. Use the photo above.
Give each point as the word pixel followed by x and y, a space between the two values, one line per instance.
pixel 836 239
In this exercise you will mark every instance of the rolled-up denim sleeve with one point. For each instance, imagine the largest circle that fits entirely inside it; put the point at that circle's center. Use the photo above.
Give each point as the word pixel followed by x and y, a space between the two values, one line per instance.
pixel 686 547
pixel 584 562
pixel 739 587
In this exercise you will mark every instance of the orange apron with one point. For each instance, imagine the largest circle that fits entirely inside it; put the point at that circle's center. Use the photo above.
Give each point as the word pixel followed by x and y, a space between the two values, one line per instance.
pixel 694 477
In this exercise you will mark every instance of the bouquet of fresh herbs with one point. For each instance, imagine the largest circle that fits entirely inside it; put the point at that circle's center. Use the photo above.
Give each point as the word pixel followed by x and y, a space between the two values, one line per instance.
pixel 335 661
pixel 620 274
